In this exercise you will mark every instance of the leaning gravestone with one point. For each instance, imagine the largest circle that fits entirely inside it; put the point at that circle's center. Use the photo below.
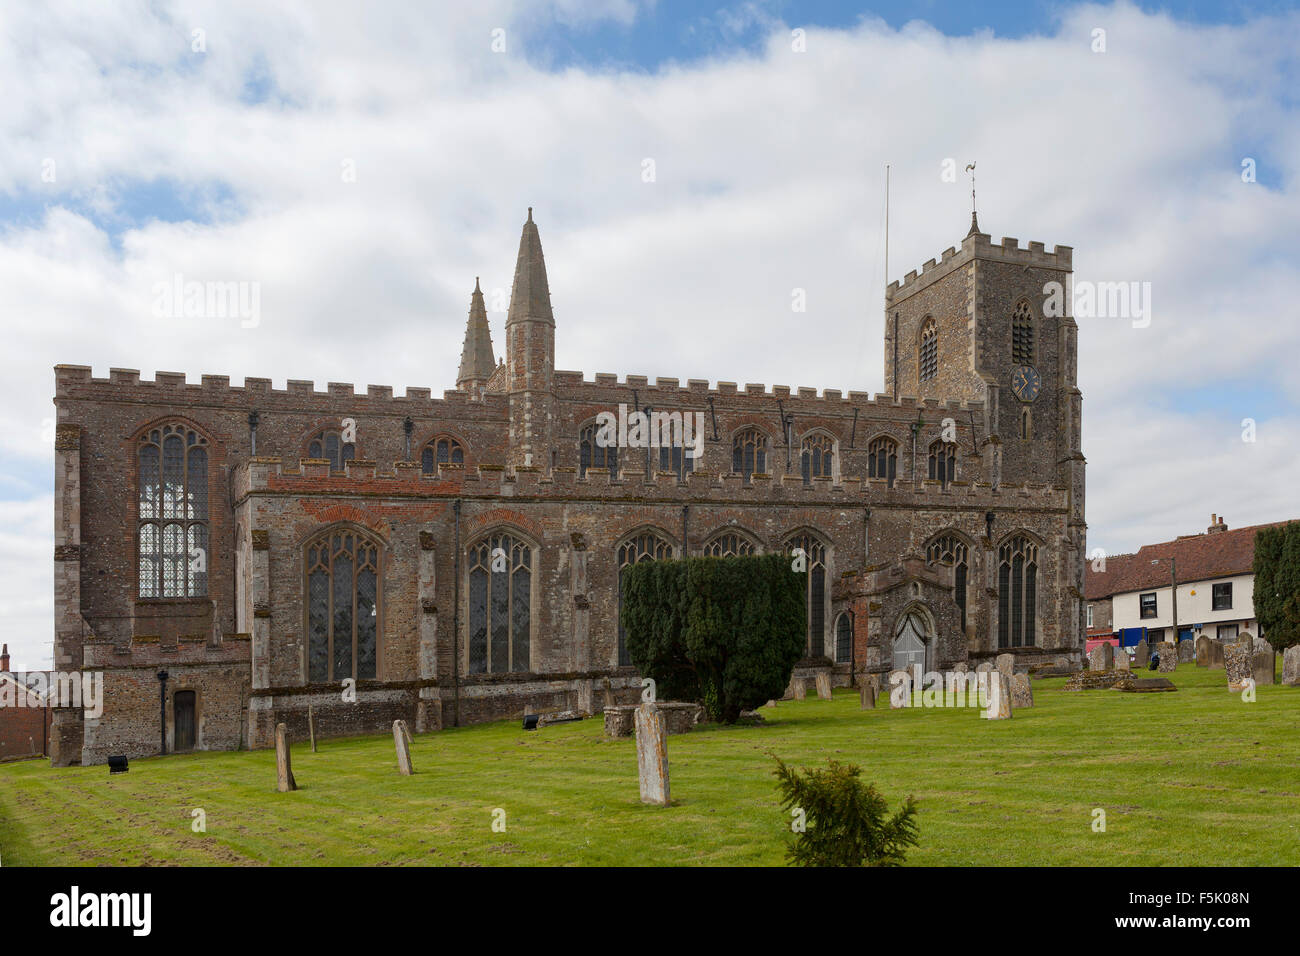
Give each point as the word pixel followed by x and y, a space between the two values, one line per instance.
pixel 1262 666
pixel 652 754
pixel 283 769
pixel 1202 651
pixel 1022 695
pixel 1102 658
pixel 823 685
pixel 1237 662
pixel 1186 652
pixel 1168 656
pixel 402 741
pixel 867 694
pixel 1006 663
pixel 800 689
pixel 1141 654
pixel 999 697
pixel 1291 666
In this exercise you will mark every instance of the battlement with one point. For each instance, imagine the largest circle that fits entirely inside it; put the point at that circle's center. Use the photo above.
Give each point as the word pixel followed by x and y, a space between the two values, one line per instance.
pixel 79 381
pixel 404 479
pixel 981 246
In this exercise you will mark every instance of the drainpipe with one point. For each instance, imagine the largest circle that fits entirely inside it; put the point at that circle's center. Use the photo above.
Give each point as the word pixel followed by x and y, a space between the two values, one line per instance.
pixel 686 510
pixel 455 628
pixel 162 710
pixel 408 426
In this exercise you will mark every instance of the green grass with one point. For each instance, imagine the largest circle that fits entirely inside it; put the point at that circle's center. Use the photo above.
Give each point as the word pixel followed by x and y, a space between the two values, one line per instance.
pixel 1195 777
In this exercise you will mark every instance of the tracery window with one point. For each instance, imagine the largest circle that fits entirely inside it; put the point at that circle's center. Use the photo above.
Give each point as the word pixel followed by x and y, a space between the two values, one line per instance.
pixel 1017 592
pixel 646 546
pixel 844 637
pixel 343 609
pixel 817 457
pixel 749 453
pixel 500 605
pixel 675 460
pixel 815 553
pixel 728 544
pixel 329 444
pixel 172 531
pixel 943 462
pixel 951 550
pixel 593 454
pixel 928 357
pixel 1022 334
pixel 442 450
pixel 882 459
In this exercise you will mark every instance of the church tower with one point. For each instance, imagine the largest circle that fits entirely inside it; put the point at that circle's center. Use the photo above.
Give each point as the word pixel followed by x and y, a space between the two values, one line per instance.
pixel 476 361
pixel 530 355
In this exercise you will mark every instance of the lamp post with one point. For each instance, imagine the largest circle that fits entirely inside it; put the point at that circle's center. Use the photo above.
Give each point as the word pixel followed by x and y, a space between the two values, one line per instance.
pixel 162 709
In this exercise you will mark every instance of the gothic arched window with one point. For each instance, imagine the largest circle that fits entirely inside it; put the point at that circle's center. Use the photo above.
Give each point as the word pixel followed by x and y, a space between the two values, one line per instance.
pixel 951 550
pixel 817 457
pixel 749 453
pixel 928 353
pixel 1022 334
pixel 815 553
pixel 728 544
pixel 172 531
pixel 882 459
pixel 675 460
pixel 943 462
pixel 443 450
pixel 595 454
pixel 844 637
pixel 500 605
pixel 328 443
pixel 646 546
pixel 1017 592
pixel 342 568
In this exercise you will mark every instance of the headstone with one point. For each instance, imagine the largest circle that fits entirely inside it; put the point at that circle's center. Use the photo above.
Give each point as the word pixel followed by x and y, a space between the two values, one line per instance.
pixel 609 694
pixel 403 744
pixel 1102 657
pixel 311 727
pixel 1006 664
pixel 1237 663
pixel 1022 695
pixel 961 667
pixel 283 770
pixel 823 685
pixel 1291 666
pixel 1186 652
pixel 800 688
pixel 1203 651
pixel 652 755
pixel 867 694
pixel 1168 656
pixel 1121 659
pixel 1216 655
pixel 1263 666
pixel 1262 645
pixel 999 697
pixel 1145 685
pixel 984 667
pixel 903 681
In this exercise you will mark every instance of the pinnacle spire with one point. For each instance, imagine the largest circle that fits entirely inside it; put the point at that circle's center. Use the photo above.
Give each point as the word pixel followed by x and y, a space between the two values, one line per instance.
pixel 530 297
pixel 974 225
pixel 476 361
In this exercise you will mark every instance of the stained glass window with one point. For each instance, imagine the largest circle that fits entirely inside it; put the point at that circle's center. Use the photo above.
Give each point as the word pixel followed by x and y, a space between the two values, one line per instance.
pixel 815 553
pixel 172 530
pixel 343 607
pixel 500 605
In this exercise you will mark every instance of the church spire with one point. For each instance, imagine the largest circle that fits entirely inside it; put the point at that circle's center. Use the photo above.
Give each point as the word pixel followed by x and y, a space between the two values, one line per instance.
pixel 476 362
pixel 530 298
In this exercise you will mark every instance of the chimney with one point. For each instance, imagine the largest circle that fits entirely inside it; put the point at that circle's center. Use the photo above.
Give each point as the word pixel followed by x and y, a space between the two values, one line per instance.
pixel 1216 525
pixel 4 659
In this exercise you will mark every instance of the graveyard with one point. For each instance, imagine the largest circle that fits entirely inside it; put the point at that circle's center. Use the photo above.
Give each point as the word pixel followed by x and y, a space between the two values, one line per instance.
pixel 1197 777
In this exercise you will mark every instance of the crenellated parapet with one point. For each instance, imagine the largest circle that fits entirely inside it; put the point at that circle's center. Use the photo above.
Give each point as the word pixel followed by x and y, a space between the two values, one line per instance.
pixel 980 246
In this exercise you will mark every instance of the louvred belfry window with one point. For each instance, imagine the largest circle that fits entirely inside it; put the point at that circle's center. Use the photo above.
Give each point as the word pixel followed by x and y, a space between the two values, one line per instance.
pixel 928 357
pixel 343 606
pixel 1022 335
pixel 172 533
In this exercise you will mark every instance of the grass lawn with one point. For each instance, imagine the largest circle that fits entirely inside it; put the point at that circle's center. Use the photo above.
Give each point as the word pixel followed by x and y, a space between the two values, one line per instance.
pixel 1196 777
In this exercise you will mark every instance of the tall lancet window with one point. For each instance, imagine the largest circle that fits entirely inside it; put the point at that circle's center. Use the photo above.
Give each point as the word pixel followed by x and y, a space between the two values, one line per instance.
pixel 1017 593
pixel 343 609
pixel 172 527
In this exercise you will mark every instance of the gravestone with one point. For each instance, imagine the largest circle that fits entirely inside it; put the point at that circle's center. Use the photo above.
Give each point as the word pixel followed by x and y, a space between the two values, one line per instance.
pixel 1291 666
pixel 984 667
pixel 1141 654
pixel 800 689
pixel 402 741
pixel 1006 664
pixel 1262 645
pixel 1121 659
pixel 1168 656
pixel 867 694
pixel 1203 651
pixel 1022 695
pixel 1216 655
pixel 962 667
pixel 652 755
pixel 1145 685
pixel 609 695
pixel 999 697
pixel 283 770
pixel 1262 666
pixel 1237 663
pixel 897 698
pixel 311 727
pixel 1186 652
pixel 823 685
pixel 1101 658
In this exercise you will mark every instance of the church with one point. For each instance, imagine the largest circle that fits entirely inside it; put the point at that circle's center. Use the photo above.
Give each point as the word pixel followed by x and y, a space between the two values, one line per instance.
pixel 230 557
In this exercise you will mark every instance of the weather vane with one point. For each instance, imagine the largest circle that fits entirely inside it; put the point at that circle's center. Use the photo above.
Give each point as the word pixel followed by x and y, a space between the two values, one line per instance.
pixel 970 168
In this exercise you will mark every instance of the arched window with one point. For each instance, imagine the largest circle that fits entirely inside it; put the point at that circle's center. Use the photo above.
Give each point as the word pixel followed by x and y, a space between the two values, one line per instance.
pixel 943 462
pixel 646 546
pixel 728 544
pixel 928 353
pixel 951 550
pixel 328 443
pixel 675 460
pixel 500 605
pixel 443 450
pixel 342 606
pixel 844 637
pixel 595 454
pixel 882 459
pixel 1017 592
pixel 749 453
pixel 817 457
pixel 815 552
pixel 1022 334
pixel 172 531
pixel 1026 424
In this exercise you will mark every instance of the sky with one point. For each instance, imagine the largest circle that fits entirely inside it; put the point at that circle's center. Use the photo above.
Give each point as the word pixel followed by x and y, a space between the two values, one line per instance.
pixel 361 165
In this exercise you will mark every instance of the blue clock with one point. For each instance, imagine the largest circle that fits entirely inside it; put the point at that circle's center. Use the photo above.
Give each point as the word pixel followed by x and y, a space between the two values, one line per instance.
pixel 1025 382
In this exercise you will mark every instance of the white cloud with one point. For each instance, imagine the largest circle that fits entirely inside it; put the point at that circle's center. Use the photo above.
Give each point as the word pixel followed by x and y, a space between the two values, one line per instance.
pixel 769 177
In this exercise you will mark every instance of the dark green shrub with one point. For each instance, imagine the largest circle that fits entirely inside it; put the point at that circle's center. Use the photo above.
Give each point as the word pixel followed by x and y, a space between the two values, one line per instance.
pixel 1277 584
pixel 724 631
pixel 844 819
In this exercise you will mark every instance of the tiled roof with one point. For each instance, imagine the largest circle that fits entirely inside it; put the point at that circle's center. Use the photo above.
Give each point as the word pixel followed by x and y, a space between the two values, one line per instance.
pixel 1198 557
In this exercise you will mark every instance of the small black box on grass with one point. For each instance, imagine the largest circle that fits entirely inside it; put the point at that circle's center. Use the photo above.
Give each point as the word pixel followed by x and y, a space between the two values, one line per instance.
pixel 117 764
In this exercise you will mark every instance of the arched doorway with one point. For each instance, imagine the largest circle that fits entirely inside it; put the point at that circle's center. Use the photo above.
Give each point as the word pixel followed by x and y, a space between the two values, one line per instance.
pixel 911 638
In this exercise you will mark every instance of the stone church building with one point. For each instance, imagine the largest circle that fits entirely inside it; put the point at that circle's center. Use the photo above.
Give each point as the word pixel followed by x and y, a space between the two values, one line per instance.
pixel 457 559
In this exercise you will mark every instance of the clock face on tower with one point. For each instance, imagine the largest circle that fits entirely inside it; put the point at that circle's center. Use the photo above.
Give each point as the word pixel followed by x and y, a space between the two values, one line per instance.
pixel 1025 383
